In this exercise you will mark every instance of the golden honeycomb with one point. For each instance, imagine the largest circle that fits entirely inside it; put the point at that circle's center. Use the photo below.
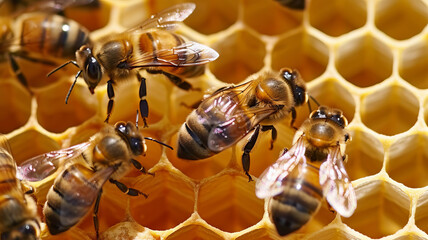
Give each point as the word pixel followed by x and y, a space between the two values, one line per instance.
pixel 335 44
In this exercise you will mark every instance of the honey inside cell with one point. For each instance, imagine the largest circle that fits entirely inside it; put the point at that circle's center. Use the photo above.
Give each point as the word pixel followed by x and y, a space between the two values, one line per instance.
pixel 14 114
pixel 196 231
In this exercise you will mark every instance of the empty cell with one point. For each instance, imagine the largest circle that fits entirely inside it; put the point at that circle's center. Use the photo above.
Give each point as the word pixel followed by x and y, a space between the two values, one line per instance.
pixel 337 17
pixel 194 230
pixel 364 61
pixel 365 155
pixel 241 54
pixel 259 234
pixel 170 202
pixel 401 19
pixel 411 236
pixel 407 163
pixel 93 16
pixel 332 233
pixel 56 116
pixel 385 203
pixel 412 64
pixel 421 214
pixel 15 106
pixel 209 16
pixel 394 105
pixel 269 17
pixel 303 52
pixel 228 202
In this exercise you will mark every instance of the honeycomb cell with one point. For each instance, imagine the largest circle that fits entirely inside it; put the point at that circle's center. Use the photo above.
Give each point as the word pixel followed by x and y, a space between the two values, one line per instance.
pixel 127 231
pixel 93 16
pixel 247 58
pixel 259 234
pixel 412 64
pixel 365 155
pixel 411 236
pixel 408 155
pixel 401 19
pixel 269 17
pixel 71 234
pixel 364 61
pixel 301 51
pixel 332 233
pixel 170 202
pixel 196 231
pixel 421 214
pixel 31 143
pixel 392 104
pixel 209 17
pixel 59 117
pixel 228 202
pixel 199 169
pixel 386 204
pixel 14 114
pixel 337 17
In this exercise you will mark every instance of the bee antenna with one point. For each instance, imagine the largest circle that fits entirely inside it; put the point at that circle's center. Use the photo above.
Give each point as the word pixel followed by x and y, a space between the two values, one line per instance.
pixel 72 86
pixel 309 103
pixel 161 143
pixel 63 65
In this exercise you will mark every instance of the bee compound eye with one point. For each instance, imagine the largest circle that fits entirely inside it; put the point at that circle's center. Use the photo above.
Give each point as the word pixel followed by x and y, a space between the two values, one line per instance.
pixel 121 127
pixel 136 145
pixel 27 230
pixel 318 114
pixel 93 69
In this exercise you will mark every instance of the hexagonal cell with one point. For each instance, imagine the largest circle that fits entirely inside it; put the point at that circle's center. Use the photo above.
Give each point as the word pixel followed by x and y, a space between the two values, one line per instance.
pixel 364 61
pixel 385 203
pixel 241 54
pixel 411 236
pixel 412 64
pixel 301 51
pixel 31 143
pixel 15 106
pixel 259 234
pixel 56 116
pixel 194 231
pixel 401 19
pixel 269 17
pixel 236 205
pixel 339 17
pixel 128 231
pixel 209 17
pixel 73 233
pixel 126 100
pixel 93 16
pixel 170 202
pixel 421 214
pixel 393 104
pixel 365 155
pixel 199 169
pixel 407 163
pixel 332 233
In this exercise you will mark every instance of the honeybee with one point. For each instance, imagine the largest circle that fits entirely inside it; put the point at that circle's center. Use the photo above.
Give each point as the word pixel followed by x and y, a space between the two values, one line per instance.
pixel 151 46
pixel 85 167
pixel 18 211
pixel 293 4
pixel 42 36
pixel 232 112
pixel 311 170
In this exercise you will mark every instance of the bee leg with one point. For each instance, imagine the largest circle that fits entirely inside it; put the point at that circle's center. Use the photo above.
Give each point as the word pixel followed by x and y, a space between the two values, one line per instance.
pixel 129 191
pixel 110 94
pixel 17 70
pixel 140 168
pixel 174 79
pixel 273 132
pixel 293 117
pixel 95 213
pixel 144 106
pixel 247 149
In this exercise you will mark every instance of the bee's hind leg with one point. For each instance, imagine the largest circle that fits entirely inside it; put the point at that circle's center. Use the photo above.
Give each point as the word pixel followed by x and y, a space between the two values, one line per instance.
pixel 179 82
pixel 247 149
pixel 144 106
pixel 95 214
pixel 129 191
pixel 273 132
pixel 110 94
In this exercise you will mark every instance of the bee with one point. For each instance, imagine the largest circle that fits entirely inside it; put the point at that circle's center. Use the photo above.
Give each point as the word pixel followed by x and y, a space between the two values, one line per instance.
pixel 36 34
pixel 232 112
pixel 150 46
pixel 309 171
pixel 293 4
pixel 18 210
pixel 85 168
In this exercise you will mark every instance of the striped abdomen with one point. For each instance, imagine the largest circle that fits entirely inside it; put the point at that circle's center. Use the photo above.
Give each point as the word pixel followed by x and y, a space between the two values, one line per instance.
pixel 51 35
pixel 8 180
pixel 70 198
pixel 162 39
pixel 295 206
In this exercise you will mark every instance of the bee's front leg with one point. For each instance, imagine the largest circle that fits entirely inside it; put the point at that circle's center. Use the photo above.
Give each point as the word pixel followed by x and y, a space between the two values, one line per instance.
pixel 110 94
pixel 144 106
pixel 274 134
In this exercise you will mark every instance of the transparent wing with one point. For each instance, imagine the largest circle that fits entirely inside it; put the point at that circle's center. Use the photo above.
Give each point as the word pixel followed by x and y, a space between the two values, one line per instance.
pixel 40 167
pixel 336 184
pixel 187 54
pixel 270 182
pixel 168 18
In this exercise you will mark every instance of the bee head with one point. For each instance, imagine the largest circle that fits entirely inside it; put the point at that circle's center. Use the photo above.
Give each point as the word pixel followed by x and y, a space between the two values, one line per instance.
pixel 334 115
pixel 90 67
pixel 298 87
pixel 132 136
pixel 28 230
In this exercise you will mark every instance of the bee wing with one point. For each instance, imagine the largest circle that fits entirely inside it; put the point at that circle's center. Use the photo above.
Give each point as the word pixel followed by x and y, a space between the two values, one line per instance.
pixel 40 167
pixel 168 18
pixel 336 184
pixel 270 182
pixel 187 54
